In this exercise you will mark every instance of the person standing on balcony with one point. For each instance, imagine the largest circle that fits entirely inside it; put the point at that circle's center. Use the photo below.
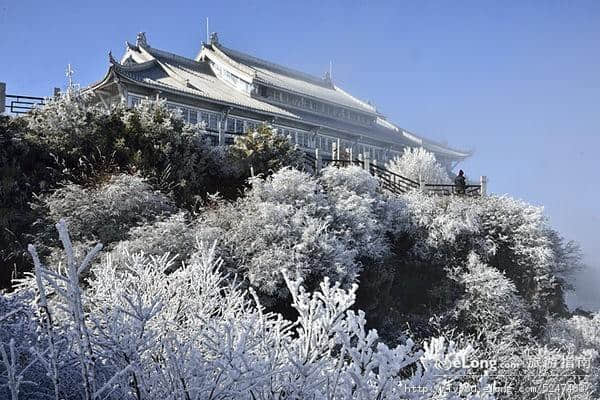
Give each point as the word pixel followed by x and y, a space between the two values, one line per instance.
pixel 460 183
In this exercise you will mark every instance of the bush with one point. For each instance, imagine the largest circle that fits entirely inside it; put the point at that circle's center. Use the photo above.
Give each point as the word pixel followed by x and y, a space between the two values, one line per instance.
pixel 490 301
pixel 106 213
pixel 281 223
pixel 419 165
pixel 432 243
pixel 265 151
pixel 137 333
pixel 72 141
pixel 173 235
pixel 357 210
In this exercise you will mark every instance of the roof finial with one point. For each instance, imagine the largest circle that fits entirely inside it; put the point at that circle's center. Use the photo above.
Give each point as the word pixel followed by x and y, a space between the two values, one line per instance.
pixel 214 38
pixel 141 40
pixel 111 59
pixel 328 78
pixel 207 32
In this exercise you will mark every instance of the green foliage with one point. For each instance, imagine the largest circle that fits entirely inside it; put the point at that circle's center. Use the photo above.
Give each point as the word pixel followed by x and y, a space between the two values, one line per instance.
pixel 22 173
pixel 73 141
pixel 265 151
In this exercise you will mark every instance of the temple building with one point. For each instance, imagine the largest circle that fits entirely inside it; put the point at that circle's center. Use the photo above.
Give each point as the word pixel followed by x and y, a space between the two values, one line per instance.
pixel 231 93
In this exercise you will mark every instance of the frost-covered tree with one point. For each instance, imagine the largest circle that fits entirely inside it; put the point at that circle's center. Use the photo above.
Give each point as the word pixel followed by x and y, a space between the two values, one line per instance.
pixel 358 210
pixel 419 165
pixel 283 222
pixel 265 151
pixel 315 228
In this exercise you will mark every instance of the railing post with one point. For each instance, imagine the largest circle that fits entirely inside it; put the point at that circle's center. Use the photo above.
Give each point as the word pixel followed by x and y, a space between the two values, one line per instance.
pixel 483 183
pixel 350 154
pixel 317 161
pixel 2 97
pixel 334 151
pixel 360 160
pixel 337 150
pixel 221 134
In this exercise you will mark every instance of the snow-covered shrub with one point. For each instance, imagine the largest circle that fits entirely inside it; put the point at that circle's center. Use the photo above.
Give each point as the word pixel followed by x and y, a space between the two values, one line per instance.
pixel 357 210
pixel 174 234
pixel 265 151
pixel 282 223
pixel 136 333
pixel 352 179
pixel 419 165
pixel 577 332
pixel 490 301
pixel 177 156
pixel 529 251
pixel 79 137
pixel 315 228
pixel 433 237
pixel 87 141
pixel 441 229
pixel 105 213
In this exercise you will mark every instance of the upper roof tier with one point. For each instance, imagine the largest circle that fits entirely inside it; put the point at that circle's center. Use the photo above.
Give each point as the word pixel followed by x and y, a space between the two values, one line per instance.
pixel 274 75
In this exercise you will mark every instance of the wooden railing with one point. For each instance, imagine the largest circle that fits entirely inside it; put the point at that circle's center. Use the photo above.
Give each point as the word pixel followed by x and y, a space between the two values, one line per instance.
pixel 389 180
pixel 447 190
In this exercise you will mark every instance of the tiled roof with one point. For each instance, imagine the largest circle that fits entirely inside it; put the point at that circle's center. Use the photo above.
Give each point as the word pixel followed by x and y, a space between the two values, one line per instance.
pixel 190 77
pixel 163 70
pixel 296 81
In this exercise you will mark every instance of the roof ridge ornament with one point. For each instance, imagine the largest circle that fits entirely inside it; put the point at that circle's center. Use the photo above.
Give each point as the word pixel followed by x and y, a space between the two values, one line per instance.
pixel 327 78
pixel 111 59
pixel 141 39
pixel 214 38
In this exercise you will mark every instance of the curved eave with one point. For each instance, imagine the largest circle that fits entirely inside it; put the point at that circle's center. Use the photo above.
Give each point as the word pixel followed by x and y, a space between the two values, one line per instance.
pixel 436 147
pixel 108 77
pixel 195 95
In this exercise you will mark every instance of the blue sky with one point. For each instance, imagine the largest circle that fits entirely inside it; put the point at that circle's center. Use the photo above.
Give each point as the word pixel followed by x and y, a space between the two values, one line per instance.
pixel 518 82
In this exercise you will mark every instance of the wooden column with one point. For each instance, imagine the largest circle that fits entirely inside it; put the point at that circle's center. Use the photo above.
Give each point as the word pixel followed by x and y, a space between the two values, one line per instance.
pixel 334 152
pixel 221 133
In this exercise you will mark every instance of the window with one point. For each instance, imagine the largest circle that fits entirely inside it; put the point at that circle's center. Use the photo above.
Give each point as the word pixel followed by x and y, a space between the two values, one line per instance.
pixel 204 117
pixel 290 134
pixel 230 125
pixel 239 126
pixel 193 117
pixel 212 123
pixel 134 100
pixel 263 91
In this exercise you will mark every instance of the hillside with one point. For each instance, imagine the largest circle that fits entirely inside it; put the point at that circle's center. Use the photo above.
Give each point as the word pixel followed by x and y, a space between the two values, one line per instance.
pixel 211 283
